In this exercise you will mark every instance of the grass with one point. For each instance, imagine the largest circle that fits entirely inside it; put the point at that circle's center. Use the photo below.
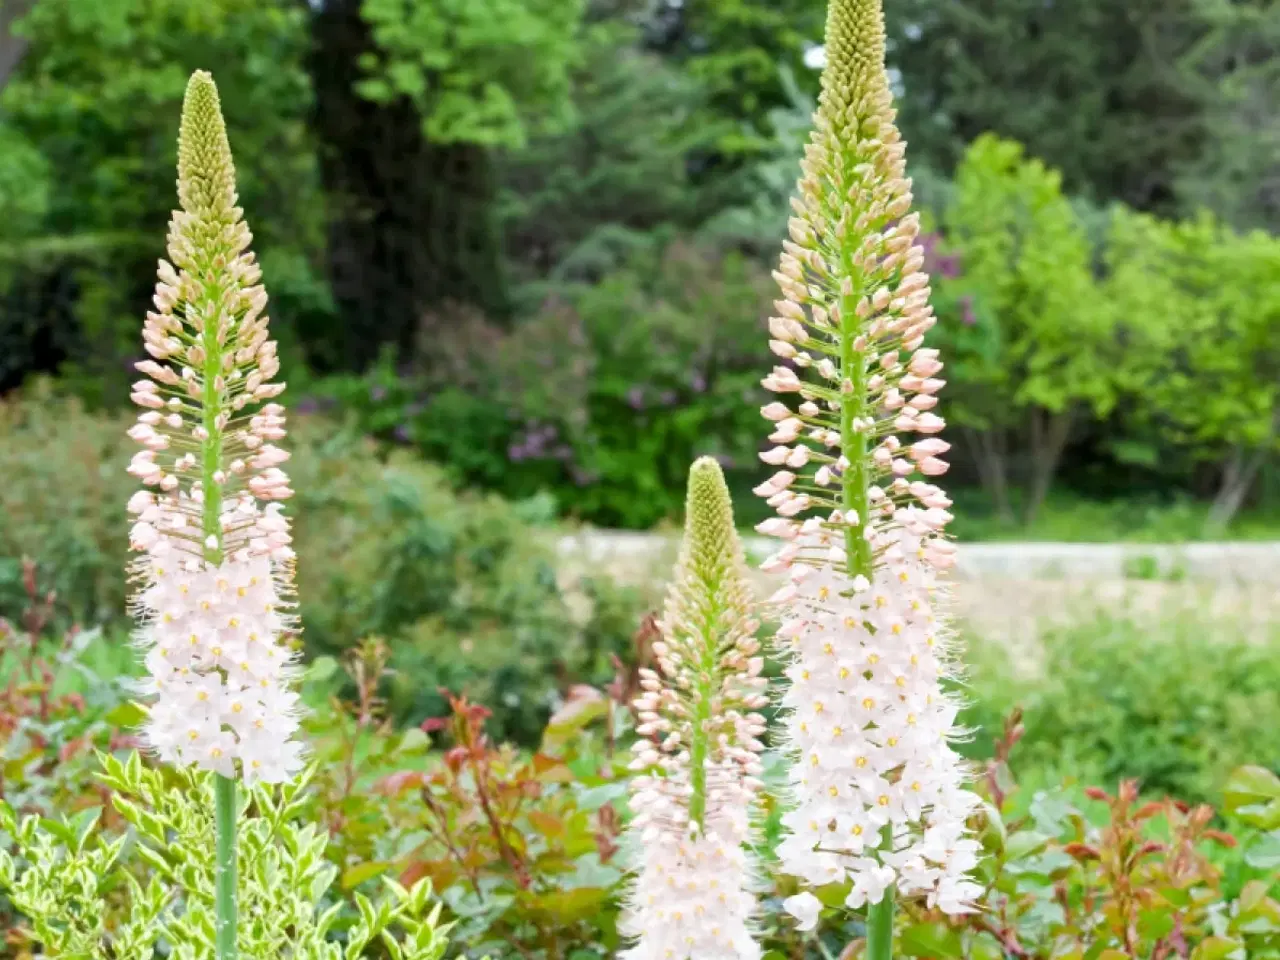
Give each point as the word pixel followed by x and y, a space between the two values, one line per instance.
pixel 1069 518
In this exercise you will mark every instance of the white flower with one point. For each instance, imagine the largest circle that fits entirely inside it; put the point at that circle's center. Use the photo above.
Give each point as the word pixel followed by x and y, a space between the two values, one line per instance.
pixel 805 907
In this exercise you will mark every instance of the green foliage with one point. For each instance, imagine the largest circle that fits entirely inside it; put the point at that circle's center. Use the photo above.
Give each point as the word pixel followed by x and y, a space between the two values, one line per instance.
pixel 1234 67
pixel 1208 366
pixel 24 183
pixel 466 587
pixel 603 398
pixel 101 116
pixel 1091 87
pixel 91 896
pixel 1175 704
pixel 477 71
pixel 735 49
pixel 1029 346
pixel 63 499
pixel 575 201
pixel 1106 876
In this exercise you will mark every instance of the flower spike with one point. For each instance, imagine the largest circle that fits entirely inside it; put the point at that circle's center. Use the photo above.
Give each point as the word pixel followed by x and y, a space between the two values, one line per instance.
pixel 698 756
pixel 879 793
pixel 215 572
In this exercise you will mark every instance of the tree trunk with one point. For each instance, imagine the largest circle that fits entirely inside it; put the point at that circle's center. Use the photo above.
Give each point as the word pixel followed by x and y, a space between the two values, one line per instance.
pixel 987 450
pixel 1047 443
pixel 411 222
pixel 12 48
pixel 1238 476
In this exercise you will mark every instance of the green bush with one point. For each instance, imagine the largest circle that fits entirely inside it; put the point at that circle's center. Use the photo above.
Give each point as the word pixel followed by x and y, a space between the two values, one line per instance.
pixel 603 398
pixel 464 588
pixel 1174 703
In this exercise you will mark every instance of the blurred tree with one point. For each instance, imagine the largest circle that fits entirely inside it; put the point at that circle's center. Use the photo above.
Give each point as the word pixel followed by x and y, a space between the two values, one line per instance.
pixel 96 94
pixel 413 96
pixel 575 201
pixel 735 48
pixel 1030 350
pixel 1204 308
pixel 1236 68
pixel 12 45
pixel 1092 87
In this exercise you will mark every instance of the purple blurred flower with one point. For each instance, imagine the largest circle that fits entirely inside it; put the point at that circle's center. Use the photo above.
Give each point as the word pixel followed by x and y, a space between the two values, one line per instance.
pixel 306 405
pixel 378 393
pixel 968 316
pixel 401 433
pixel 635 398
pixel 583 478
pixel 698 382
pixel 726 462
pixel 668 398
pixel 516 453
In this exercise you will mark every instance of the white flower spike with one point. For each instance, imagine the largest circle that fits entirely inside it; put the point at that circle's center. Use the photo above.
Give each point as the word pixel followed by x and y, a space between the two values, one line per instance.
pixel 880 796
pixel 693 896
pixel 215 572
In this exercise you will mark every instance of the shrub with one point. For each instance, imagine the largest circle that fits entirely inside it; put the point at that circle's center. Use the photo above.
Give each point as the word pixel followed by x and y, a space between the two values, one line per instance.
pixel 1169 703
pixel 603 397
pixel 465 588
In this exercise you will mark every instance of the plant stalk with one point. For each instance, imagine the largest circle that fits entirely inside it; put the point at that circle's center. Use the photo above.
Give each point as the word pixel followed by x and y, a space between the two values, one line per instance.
pixel 854 444
pixel 225 805
pixel 880 928
pixel 225 867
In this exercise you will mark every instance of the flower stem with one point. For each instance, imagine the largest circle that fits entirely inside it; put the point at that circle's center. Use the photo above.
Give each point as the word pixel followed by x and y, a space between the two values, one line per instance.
pixel 225 866
pixel 224 899
pixel 854 445
pixel 880 928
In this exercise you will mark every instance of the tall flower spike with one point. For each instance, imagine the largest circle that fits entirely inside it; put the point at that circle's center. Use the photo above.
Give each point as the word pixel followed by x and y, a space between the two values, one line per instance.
pixel 879 793
pixel 699 749
pixel 215 572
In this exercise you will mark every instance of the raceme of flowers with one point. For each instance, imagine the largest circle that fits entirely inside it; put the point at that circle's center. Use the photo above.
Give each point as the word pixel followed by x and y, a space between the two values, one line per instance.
pixel 879 793
pixel 698 753
pixel 214 574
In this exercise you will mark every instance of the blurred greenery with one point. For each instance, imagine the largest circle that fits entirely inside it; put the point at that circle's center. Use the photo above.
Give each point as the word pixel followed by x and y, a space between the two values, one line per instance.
pixel 1175 702
pixel 466 588
pixel 448 197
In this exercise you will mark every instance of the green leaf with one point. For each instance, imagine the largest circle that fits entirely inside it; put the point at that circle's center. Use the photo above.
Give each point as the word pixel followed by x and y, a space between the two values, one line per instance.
pixel 354 876
pixel 1264 852
pixel 321 669
pixel 1250 785
pixel 931 940
pixel 1216 948
pixel 127 715
pixel 1155 923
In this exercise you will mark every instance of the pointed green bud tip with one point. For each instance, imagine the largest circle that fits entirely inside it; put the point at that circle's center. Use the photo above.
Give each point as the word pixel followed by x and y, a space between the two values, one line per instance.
pixel 206 174
pixel 711 541
pixel 855 49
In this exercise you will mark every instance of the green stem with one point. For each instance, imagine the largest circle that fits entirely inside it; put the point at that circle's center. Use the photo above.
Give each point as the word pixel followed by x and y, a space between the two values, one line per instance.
pixel 225 908
pixel 854 444
pixel 225 867
pixel 880 928
pixel 224 900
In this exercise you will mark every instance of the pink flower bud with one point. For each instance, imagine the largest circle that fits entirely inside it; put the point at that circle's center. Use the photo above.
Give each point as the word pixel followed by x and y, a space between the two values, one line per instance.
pixel 777 527
pixel 924 366
pixel 924 402
pixel 929 448
pixel 799 457
pixel 929 423
pixel 775 411
pixel 776 456
pixel 783 349
pixel 933 467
